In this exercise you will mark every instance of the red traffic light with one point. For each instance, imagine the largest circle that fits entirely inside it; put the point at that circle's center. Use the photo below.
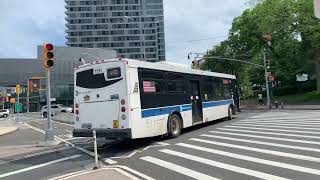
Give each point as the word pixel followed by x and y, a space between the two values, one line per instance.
pixel 49 47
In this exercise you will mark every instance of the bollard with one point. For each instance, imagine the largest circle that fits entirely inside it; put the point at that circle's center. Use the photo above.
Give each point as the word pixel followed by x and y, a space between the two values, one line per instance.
pixel 282 106
pixel 276 104
pixel 95 150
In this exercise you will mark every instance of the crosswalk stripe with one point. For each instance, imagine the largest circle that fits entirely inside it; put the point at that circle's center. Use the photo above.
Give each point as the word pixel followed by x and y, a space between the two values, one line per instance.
pixel 265 151
pixel 279 126
pixel 281 134
pixel 284 118
pixel 263 143
pixel 253 159
pixel 178 169
pixel 280 123
pixel 280 130
pixel 229 167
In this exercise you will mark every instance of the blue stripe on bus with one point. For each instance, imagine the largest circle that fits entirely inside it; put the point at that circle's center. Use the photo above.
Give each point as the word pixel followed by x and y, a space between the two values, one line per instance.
pixel 181 108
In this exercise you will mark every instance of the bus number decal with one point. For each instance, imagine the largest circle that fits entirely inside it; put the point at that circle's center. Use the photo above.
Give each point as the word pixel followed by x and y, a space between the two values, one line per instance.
pixel 98 71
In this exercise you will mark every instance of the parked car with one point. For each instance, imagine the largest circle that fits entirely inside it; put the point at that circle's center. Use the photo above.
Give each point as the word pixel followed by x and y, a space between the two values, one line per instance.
pixel 65 109
pixel 55 109
pixel 4 113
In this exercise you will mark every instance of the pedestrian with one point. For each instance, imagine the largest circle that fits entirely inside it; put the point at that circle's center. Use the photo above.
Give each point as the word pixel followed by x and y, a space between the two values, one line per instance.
pixel 260 99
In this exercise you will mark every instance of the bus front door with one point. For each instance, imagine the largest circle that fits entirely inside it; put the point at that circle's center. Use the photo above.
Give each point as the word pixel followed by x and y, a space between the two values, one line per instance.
pixel 196 102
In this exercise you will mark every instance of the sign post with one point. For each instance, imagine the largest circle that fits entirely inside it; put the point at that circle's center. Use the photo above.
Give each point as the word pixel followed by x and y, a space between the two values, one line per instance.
pixel 18 100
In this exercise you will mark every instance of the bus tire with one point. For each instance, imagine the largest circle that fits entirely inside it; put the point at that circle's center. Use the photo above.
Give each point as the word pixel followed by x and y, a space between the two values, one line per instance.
pixel 230 113
pixel 174 126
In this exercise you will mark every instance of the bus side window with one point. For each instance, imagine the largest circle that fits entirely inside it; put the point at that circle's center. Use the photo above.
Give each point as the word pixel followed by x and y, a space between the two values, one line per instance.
pixel 176 83
pixel 152 81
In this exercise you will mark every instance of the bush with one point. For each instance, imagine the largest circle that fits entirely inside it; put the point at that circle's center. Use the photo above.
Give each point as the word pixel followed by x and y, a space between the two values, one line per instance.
pixel 297 88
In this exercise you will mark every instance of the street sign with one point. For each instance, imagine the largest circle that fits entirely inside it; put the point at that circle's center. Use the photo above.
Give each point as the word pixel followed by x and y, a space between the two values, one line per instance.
pixel 316 8
pixel 18 107
pixel 269 74
pixel 302 77
pixel 12 100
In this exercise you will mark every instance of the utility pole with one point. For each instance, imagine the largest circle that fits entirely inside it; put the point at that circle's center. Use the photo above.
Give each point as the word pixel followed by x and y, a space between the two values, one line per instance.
pixel 266 78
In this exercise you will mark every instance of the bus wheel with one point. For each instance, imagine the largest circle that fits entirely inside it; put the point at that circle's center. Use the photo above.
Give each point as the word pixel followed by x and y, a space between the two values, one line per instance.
pixel 174 126
pixel 230 113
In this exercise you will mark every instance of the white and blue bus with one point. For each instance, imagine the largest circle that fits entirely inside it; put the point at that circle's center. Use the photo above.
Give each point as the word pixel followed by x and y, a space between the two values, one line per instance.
pixel 123 98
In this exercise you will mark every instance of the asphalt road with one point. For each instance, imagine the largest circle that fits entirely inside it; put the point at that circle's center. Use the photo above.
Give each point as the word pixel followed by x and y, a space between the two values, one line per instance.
pixel 256 145
pixel 273 145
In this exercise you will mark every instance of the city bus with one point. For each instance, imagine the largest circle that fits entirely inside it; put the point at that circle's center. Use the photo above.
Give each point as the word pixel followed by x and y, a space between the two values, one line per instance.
pixel 123 98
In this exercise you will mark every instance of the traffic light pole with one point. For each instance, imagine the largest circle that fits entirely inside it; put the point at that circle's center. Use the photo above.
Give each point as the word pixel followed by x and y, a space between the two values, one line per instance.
pixel 3 94
pixel 49 133
pixel 266 78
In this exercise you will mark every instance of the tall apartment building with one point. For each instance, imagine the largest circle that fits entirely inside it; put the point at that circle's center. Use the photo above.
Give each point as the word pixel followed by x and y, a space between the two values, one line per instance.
pixel 134 28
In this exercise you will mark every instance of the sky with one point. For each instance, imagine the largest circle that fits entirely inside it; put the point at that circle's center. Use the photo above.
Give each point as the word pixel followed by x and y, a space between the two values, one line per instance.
pixel 24 24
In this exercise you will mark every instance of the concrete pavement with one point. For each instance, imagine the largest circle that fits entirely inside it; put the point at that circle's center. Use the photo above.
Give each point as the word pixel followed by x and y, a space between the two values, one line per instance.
pixel 7 126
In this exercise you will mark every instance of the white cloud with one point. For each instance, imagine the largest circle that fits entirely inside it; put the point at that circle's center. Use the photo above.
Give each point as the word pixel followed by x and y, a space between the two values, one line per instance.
pixel 26 24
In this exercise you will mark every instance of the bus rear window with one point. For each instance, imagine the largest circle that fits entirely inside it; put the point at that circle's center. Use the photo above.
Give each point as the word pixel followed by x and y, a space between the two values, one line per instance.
pixel 113 73
pixel 86 79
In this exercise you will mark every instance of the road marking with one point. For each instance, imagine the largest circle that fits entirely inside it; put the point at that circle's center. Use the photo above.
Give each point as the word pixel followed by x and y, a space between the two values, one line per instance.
pixel 266 137
pixel 263 143
pixel 35 154
pixel 178 169
pixel 159 145
pixel 271 133
pixel 229 167
pixel 284 124
pixel 133 172
pixel 280 130
pixel 63 140
pixel 68 131
pixel 265 151
pixel 110 161
pixel 285 127
pixel 79 173
pixel 38 166
pixel 288 122
pixel 63 123
pixel 253 159
pixel 302 119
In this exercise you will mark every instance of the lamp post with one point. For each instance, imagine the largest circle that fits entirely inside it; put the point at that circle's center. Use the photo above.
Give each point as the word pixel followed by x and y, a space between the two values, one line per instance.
pixel 142 35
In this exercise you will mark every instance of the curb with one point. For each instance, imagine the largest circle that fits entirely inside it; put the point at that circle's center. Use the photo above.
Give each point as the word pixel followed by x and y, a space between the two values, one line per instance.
pixel 8 130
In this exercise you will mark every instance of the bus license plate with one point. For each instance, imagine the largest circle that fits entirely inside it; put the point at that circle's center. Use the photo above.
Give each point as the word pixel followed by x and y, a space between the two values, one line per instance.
pixel 115 124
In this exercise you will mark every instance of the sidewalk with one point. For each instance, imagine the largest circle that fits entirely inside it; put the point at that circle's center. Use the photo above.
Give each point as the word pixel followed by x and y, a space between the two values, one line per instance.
pixel 7 126
pixel 101 174
pixel 285 107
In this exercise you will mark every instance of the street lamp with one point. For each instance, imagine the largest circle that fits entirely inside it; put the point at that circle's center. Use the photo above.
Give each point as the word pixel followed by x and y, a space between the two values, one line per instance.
pixel 141 34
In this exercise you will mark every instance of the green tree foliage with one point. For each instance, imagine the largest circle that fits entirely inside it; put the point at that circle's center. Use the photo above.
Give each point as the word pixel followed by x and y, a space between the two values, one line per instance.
pixel 294 47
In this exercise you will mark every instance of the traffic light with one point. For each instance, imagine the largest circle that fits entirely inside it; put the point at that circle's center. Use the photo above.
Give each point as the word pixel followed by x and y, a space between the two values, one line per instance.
pixel 6 99
pixel 268 64
pixel 18 89
pixel 195 64
pixel 48 55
